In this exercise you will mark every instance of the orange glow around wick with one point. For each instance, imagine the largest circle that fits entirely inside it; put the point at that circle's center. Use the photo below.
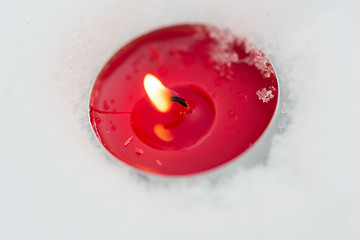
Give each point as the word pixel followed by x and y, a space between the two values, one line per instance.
pixel 157 92
pixel 163 133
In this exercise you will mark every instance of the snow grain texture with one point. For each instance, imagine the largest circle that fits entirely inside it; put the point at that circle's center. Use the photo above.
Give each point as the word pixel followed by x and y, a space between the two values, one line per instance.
pixel 56 183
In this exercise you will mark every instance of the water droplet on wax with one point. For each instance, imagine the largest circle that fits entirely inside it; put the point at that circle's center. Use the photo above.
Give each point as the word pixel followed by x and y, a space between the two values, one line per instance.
pixel 231 113
pixel 241 96
pixel 97 120
pixel 139 151
pixel 106 105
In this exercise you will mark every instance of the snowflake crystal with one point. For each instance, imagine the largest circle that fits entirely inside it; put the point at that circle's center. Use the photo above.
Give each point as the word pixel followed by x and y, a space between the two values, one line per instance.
pixel 265 95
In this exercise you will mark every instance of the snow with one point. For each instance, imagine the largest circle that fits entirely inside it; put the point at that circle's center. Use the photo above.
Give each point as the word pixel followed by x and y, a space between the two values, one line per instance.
pixel 265 95
pixel 57 183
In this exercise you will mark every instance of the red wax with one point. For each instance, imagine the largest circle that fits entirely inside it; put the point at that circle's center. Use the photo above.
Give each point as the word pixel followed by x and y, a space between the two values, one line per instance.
pixel 179 128
pixel 230 88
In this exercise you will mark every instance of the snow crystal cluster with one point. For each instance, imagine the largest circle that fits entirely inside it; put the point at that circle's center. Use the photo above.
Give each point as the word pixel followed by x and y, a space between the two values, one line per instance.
pixel 265 95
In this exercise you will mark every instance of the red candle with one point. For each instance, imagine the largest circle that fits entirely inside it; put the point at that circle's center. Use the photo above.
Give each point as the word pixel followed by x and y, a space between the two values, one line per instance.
pixel 183 99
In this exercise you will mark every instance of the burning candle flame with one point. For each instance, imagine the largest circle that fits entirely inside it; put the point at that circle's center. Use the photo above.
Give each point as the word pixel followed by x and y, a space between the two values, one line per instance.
pixel 157 92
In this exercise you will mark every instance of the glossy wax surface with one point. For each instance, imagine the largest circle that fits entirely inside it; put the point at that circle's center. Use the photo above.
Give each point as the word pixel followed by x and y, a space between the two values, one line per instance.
pixel 179 128
pixel 236 81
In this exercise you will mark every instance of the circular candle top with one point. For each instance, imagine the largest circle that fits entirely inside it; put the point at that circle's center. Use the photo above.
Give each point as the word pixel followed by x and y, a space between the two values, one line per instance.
pixel 230 87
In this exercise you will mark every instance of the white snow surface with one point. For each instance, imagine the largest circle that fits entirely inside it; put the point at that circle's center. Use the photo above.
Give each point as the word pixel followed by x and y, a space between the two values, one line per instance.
pixel 57 183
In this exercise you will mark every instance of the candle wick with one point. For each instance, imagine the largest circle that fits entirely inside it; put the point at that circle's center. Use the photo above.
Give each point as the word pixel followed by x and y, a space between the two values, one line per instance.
pixel 179 100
